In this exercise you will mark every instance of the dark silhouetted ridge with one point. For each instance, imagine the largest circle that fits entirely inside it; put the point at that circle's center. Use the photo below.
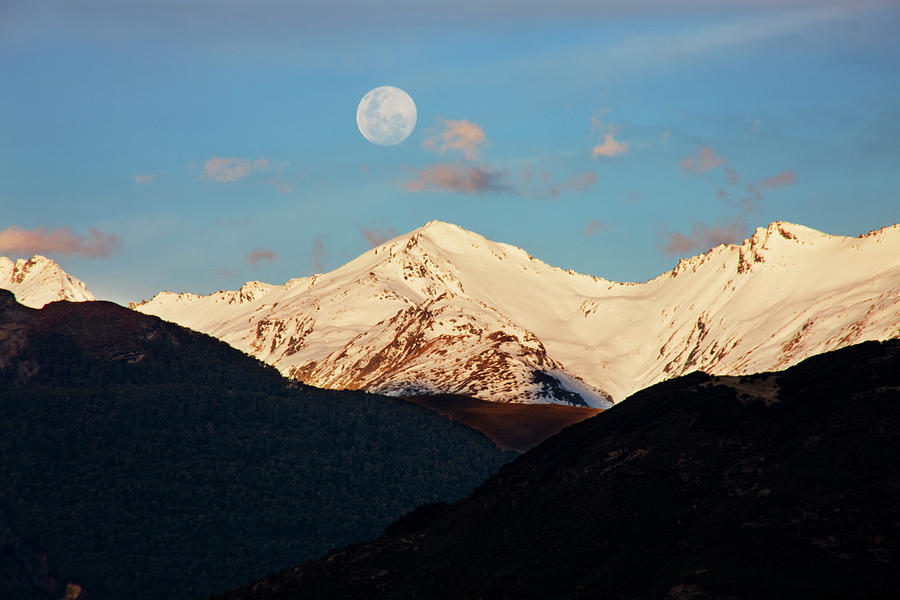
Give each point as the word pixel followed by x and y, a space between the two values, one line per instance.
pixel 139 459
pixel 778 485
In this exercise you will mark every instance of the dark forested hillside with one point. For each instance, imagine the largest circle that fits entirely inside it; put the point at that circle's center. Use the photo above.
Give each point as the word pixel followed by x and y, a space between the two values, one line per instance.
pixel 778 485
pixel 139 459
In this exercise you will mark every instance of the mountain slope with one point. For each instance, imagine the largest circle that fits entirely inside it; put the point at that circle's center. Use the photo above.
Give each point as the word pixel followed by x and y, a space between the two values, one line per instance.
pixel 518 427
pixel 778 485
pixel 39 280
pixel 136 455
pixel 443 310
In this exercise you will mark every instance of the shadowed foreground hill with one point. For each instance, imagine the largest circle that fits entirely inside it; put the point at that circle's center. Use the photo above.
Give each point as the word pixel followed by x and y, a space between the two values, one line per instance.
pixel 139 459
pixel 780 485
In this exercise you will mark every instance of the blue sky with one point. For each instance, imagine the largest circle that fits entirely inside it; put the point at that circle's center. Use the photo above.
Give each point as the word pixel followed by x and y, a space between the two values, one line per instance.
pixel 192 146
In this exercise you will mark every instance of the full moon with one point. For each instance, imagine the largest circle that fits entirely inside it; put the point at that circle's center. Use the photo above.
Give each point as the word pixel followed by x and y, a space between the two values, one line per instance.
pixel 386 116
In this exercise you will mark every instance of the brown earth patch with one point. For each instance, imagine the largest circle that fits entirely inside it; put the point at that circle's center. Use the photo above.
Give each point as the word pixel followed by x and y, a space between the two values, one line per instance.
pixel 511 426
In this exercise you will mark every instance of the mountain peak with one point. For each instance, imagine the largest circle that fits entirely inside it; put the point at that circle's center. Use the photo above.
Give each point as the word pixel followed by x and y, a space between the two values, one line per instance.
pixel 437 225
pixel 442 233
pixel 39 280
pixel 788 231
pixel 446 310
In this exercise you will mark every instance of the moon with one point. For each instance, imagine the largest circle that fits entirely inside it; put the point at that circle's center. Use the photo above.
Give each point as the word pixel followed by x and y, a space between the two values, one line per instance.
pixel 386 116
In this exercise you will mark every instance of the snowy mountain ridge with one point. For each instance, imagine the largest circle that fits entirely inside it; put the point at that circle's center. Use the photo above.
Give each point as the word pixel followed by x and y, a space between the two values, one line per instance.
pixel 442 309
pixel 39 280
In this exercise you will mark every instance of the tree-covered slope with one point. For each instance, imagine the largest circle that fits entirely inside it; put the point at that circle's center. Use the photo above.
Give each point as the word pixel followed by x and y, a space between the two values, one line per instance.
pixel 770 486
pixel 144 460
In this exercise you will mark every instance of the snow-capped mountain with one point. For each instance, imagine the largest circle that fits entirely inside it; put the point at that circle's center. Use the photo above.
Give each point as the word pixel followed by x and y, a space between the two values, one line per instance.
pixel 444 309
pixel 39 280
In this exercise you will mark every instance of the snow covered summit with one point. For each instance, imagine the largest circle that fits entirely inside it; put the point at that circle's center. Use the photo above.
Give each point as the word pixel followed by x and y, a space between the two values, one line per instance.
pixel 442 309
pixel 39 280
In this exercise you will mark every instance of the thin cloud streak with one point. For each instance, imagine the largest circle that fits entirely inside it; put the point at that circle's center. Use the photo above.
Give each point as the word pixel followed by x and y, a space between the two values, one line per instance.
pixel 451 177
pixel 703 237
pixel 259 255
pixel 705 160
pixel 276 19
pixel 376 237
pixel 783 179
pixel 283 186
pixel 595 226
pixel 231 169
pixel 580 182
pixel 61 241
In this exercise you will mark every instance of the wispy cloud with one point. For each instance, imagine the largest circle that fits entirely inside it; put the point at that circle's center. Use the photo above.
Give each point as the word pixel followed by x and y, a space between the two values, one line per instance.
pixel 610 146
pixel 318 254
pixel 579 182
pixel 143 178
pixel 378 236
pixel 282 185
pixel 531 175
pixel 703 237
pixel 784 178
pixel 259 255
pixel 457 135
pixel 229 170
pixel 754 192
pixel 731 176
pixel 454 177
pixel 705 160
pixel 61 241
pixel 595 226
pixel 660 49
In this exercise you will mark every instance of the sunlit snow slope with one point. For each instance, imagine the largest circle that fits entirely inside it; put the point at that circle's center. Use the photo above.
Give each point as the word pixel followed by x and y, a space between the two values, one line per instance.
pixel 39 280
pixel 442 309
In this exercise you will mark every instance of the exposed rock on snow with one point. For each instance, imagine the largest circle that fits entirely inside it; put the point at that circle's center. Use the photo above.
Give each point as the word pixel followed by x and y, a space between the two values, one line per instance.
pixel 39 280
pixel 442 309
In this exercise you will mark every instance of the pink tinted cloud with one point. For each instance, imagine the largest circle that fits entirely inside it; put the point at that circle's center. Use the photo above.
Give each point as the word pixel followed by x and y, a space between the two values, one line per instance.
pixel 610 147
pixel 595 226
pixel 457 178
pixel 283 186
pixel 784 178
pixel 259 255
pixel 530 174
pixel 229 170
pixel 732 176
pixel 703 237
pixel 61 241
pixel 705 160
pixel 459 135
pixel 376 237
pixel 580 182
